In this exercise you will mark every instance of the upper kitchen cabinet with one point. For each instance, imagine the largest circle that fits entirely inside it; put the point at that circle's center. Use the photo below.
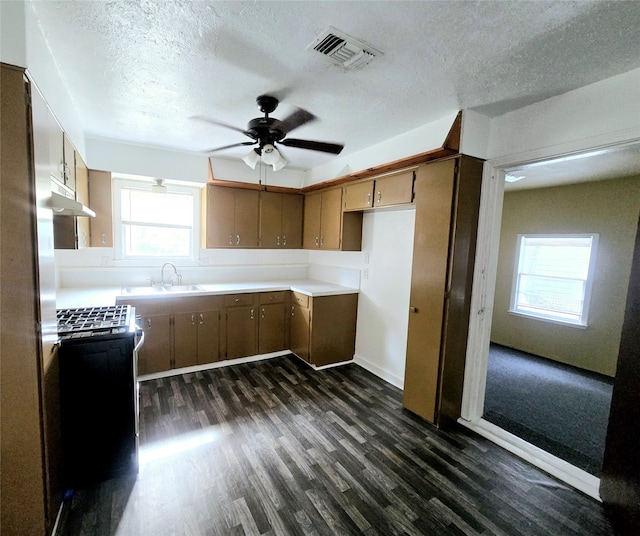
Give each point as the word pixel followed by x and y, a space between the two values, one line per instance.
pixel 447 200
pixel 231 217
pixel 281 220
pixel 72 232
pixel 101 226
pixel 386 191
pixel 396 189
pixel 325 224
pixel 62 154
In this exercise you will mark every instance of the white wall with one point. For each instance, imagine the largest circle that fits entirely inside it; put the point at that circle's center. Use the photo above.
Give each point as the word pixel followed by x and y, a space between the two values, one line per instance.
pixel 383 302
pixel 608 110
pixel 13 45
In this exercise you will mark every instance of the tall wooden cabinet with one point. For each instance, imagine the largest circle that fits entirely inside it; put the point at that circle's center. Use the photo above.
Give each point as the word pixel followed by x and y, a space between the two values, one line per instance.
pixel 447 199
pixel 101 226
pixel 30 471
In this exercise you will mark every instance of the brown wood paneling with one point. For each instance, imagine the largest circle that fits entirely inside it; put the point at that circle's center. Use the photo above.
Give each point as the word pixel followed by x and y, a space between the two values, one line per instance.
pixel 434 191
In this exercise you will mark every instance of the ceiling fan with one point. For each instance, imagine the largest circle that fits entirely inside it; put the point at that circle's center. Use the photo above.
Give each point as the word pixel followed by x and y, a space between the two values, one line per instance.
pixel 266 131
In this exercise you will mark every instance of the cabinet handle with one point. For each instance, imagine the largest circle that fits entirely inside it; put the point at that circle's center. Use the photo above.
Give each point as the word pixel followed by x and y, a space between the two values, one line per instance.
pixel 278 240
pixel 292 310
pixel 231 240
pixel 369 198
pixel 262 314
pixel 201 318
pixel 252 314
pixel 103 239
pixel 321 241
pixel 237 300
pixel 238 239
pixel 148 322
pixel 284 240
pixel 317 242
pixel 379 196
pixel 193 319
pixel 413 309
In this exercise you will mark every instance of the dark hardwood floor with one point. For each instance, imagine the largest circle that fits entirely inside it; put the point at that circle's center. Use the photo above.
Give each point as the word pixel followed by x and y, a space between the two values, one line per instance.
pixel 273 447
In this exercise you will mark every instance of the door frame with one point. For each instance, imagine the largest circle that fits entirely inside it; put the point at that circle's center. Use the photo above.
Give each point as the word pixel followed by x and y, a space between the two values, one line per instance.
pixel 482 302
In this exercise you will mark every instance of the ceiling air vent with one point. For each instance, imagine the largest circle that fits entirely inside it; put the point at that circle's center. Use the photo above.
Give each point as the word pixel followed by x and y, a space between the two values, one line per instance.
pixel 343 49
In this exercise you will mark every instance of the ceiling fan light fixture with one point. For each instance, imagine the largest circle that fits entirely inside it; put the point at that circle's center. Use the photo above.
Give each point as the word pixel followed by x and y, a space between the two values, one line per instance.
pixel 272 157
pixel 251 159
pixel 279 164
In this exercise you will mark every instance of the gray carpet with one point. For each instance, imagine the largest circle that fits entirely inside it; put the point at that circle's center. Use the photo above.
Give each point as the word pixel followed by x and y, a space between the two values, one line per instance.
pixel 561 409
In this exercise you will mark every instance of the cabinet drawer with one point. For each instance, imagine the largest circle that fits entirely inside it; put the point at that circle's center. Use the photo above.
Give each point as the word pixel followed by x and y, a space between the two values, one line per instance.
pixel 231 300
pixel 272 297
pixel 300 299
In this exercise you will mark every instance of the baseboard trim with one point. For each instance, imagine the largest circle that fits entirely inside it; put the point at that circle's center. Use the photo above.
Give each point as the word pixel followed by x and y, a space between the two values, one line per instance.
pixel 208 366
pixel 384 374
pixel 556 467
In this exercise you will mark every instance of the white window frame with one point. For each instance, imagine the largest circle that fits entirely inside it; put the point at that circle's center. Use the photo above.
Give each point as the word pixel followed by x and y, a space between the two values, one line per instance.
pixel 588 282
pixel 120 183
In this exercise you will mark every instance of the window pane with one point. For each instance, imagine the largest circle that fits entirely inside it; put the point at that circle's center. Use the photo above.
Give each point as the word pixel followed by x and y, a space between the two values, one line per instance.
pixel 149 207
pixel 552 277
pixel 145 240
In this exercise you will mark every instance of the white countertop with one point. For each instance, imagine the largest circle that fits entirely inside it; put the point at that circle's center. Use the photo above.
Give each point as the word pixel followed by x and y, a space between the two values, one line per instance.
pixel 102 296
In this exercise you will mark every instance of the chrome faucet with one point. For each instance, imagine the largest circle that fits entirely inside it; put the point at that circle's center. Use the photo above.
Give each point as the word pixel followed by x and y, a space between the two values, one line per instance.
pixel 175 271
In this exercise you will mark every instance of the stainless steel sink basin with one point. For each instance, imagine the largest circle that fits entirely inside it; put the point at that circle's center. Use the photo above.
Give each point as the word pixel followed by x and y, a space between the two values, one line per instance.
pixel 160 289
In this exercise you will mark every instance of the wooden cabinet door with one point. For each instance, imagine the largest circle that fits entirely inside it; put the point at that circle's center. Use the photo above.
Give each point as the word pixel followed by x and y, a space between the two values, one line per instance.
pixel 292 220
pixel 299 331
pixel 434 190
pixel 331 219
pixel 242 330
pixel 155 354
pixel 333 328
pixel 208 336
pixel 247 207
pixel 271 329
pixel 271 220
pixel 100 202
pixel 394 190
pixel 220 227
pixel 358 196
pixel 69 167
pixel 82 194
pixel 56 149
pixel 185 339
pixel 311 228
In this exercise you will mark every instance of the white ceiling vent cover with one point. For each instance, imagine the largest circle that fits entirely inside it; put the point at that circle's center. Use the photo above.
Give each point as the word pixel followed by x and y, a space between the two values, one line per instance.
pixel 343 49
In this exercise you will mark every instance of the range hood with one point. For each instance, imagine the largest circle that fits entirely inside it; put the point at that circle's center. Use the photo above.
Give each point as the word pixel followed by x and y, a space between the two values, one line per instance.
pixel 65 206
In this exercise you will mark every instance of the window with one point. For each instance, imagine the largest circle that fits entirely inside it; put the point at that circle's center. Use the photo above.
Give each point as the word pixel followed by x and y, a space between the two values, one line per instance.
pixel 155 225
pixel 553 277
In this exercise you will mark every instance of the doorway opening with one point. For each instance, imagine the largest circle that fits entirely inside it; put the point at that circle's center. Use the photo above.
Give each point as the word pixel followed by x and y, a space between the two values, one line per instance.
pixel 556 200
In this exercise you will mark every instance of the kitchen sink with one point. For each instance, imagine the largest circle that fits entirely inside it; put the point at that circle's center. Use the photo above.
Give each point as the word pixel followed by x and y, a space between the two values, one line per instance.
pixel 161 289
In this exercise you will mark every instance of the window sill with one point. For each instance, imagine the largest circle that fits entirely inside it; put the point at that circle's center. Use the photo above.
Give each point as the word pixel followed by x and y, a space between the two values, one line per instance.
pixel 548 320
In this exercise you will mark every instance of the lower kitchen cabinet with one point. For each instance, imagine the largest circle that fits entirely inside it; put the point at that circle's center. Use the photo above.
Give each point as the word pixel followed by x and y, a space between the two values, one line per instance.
pixel 241 325
pixel 322 329
pixel 272 328
pixel 196 338
pixel 155 354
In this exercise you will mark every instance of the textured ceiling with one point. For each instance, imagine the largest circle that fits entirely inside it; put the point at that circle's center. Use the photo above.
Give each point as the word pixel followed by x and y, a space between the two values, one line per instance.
pixel 139 70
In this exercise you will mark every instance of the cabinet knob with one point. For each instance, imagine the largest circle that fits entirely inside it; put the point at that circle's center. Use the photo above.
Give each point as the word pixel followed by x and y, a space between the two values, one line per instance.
pixel 201 318
pixel 193 319
pixel 284 240
pixel 230 240
pixel 379 196
pixel 148 322
pixel 317 242
pixel 413 309
pixel 368 198
pixel 262 314
pixel 237 300
pixel 252 314
pixel 292 310
pixel 278 240
pixel 238 240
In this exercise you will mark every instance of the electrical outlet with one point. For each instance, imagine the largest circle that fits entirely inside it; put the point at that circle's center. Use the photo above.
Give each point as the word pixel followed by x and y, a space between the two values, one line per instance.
pixel 365 274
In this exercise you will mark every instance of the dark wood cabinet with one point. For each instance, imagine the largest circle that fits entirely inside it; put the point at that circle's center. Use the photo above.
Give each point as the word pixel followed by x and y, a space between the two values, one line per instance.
pixel 326 226
pixel 231 219
pixel 447 199
pixel 242 331
pixel 281 220
pixel 155 354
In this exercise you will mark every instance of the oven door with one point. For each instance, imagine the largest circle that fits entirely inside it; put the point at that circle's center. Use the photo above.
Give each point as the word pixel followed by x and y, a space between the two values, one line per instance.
pixel 138 343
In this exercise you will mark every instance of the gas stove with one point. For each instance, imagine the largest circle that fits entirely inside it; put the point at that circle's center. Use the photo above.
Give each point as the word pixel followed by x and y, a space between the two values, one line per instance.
pixel 96 322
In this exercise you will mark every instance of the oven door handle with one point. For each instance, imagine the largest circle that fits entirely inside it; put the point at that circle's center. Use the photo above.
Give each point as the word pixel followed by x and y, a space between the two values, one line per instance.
pixel 140 342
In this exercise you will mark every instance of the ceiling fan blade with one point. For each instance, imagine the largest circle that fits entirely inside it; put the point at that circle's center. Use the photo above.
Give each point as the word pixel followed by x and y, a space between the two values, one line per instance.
pixel 217 123
pixel 230 146
pixel 296 119
pixel 334 148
